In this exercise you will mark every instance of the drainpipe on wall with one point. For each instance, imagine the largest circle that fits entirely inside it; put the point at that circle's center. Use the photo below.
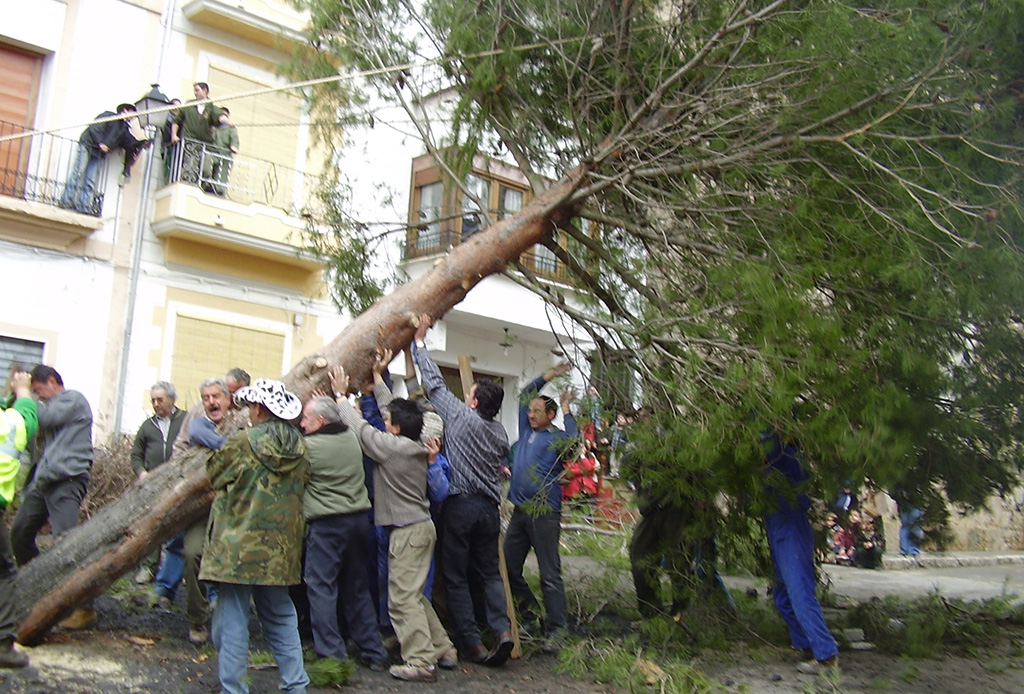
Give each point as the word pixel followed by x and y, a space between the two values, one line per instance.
pixel 141 222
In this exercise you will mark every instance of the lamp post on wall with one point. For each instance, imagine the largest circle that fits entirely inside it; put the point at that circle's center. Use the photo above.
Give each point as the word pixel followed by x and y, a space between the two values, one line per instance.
pixel 155 99
pixel 153 124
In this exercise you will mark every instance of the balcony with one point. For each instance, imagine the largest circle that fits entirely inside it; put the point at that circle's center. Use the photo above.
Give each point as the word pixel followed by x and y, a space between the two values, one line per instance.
pixel 39 202
pixel 249 207
pixel 272 24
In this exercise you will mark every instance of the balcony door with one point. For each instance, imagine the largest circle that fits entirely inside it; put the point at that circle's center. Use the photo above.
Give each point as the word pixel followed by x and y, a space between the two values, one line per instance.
pixel 19 90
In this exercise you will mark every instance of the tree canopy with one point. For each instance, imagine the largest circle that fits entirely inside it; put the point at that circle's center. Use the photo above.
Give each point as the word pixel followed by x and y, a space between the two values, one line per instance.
pixel 793 214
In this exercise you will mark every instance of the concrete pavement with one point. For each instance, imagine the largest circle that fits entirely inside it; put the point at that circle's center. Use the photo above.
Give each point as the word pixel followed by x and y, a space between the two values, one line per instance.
pixel 965 575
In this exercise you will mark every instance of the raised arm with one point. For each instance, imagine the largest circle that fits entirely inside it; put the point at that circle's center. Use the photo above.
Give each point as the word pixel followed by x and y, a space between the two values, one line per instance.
pixel 443 400
pixel 62 411
pixel 21 385
pixel 567 417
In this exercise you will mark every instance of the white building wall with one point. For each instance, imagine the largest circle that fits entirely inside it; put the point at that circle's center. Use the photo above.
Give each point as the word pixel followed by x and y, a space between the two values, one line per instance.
pixel 61 300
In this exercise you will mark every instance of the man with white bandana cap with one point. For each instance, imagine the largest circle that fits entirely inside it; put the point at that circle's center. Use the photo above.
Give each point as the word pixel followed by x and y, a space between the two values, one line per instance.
pixel 254 539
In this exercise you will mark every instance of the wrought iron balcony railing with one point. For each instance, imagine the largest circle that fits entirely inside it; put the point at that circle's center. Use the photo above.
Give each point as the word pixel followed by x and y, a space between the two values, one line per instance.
pixel 51 170
pixel 437 237
pixel 241 179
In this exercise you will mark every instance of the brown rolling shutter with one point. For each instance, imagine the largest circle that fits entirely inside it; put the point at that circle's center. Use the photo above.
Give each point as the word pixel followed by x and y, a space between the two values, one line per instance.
pixel 19 88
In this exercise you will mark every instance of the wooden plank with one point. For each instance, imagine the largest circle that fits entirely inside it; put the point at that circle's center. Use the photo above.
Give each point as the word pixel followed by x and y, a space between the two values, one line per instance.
pixel 466 372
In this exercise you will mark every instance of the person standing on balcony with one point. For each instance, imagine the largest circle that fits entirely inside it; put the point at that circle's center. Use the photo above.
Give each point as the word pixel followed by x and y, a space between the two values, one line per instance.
pixel 225 136
pixel 196 122
pixel 168 150
pixel 98 140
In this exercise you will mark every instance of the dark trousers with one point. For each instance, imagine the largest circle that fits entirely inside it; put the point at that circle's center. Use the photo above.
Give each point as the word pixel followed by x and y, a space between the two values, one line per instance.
pixel 658 536
pixel 540 532
pixel 337 552
pixel 792 547
pixel 8 571
pixel 470 526
pixel 59 503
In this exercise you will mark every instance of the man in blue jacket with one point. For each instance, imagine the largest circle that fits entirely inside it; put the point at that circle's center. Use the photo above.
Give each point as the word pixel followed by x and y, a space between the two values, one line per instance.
pixel 537 464
pixel 791 542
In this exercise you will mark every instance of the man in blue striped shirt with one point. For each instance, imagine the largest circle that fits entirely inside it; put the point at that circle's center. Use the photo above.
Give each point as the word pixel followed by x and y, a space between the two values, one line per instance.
pixel 477 446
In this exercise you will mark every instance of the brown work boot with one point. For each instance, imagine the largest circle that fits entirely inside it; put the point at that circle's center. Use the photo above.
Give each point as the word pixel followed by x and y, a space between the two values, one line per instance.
pixel 10 657
pixel 450 659
pixel 80 619
pixel 198 635
pixel 476 653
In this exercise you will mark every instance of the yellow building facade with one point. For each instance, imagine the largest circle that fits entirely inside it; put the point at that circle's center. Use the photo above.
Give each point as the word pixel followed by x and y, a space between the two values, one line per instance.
pixel 160 274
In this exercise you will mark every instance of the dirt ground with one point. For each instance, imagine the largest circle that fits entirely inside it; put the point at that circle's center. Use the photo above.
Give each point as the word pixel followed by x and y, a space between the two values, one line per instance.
pixel 135 650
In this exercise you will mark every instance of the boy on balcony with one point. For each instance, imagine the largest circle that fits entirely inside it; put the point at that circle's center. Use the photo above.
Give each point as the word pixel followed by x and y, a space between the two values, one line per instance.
pixel 225 137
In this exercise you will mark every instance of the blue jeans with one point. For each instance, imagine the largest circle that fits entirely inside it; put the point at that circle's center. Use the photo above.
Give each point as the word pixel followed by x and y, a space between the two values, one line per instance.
pixel 230 635
pixel 172 568
pixel 541 532
pixel 182 556
pixel 910 532
pixel 792 548
pixel 80 189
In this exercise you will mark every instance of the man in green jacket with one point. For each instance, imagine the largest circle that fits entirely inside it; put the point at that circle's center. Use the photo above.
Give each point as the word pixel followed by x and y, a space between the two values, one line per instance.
pixel 254 539
pixel 18 425
pixel 195 123
pixel 154 444
pixel 225 137
pixel 337 511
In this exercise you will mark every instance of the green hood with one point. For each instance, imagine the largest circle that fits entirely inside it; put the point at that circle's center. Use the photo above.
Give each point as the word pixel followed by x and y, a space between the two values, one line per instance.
pixel 278 445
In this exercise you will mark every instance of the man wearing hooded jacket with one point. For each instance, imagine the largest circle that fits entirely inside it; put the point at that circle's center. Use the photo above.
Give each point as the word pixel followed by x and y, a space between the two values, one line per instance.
pixel 18 426
pixel 254 538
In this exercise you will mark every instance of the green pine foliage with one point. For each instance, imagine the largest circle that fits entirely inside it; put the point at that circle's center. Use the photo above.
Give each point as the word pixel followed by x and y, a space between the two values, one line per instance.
pixel 802 215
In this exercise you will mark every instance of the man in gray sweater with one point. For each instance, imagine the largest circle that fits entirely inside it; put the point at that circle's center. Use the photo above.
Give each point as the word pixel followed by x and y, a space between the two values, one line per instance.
pixel 400 504
pixel 336 507
pixel 58 482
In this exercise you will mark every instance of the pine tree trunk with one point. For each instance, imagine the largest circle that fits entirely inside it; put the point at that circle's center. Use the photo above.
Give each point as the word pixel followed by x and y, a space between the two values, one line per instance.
pixel 89 558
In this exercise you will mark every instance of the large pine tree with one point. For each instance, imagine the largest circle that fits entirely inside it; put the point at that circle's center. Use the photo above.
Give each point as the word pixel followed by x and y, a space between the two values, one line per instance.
pixel 801 214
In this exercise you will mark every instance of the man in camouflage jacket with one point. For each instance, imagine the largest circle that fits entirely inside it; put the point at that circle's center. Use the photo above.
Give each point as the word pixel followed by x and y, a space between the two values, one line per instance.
pixel 254 539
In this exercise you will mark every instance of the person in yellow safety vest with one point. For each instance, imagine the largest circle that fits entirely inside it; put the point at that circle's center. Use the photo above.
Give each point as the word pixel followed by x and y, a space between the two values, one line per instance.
pixel 18 426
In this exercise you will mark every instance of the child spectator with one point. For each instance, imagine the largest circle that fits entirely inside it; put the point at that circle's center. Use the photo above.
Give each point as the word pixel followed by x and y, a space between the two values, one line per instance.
pixel 870 545
pixel 579 481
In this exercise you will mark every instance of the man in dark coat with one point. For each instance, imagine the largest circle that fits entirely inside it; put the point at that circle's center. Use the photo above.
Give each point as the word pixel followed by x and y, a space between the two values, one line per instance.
pixel 154 444
pixel 98 140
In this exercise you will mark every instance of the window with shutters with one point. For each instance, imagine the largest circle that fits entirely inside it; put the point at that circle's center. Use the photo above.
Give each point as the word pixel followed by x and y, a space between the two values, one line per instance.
pixel 19 90
pixel 443 215
pixel 205 348
pixel 16 350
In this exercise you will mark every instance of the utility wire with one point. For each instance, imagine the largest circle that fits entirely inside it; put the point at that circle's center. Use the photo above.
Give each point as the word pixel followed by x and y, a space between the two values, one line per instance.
pixel 298 85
